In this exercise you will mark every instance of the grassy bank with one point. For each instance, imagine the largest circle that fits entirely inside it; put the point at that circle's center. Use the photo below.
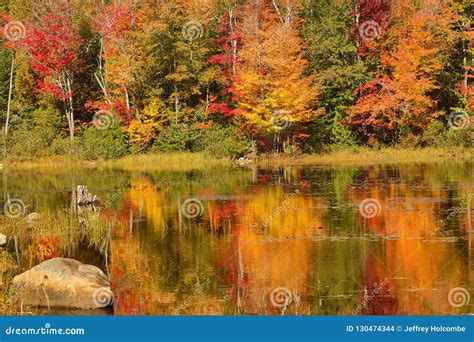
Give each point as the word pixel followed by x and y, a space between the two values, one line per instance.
pixel 147 162
pixel 365 156
pixel 181 161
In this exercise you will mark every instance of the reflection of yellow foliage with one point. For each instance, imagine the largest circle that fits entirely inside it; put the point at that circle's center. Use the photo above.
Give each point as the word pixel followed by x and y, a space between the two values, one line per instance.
pixel 146 199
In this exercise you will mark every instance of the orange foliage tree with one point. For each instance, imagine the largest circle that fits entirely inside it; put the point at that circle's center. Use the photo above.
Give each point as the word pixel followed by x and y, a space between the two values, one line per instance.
pixel 411 57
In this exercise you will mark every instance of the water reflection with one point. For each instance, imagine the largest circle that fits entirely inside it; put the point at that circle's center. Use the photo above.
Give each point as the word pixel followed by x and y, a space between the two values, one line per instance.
pixel 280 241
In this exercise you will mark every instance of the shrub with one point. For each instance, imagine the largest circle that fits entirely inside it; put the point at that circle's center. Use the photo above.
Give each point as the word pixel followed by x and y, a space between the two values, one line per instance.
pixel 103 144
pixel 34 133
pixel 460 137
pixel 226 142
pixel 435 135
pixel 65 146
pixel 176 138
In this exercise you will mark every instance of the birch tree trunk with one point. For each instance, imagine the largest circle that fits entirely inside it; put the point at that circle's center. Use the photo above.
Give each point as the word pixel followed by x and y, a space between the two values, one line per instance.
pixel 10 90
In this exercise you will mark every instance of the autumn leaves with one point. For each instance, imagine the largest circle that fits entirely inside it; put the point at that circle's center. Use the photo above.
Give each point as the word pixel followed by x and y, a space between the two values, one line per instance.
pixel 283 73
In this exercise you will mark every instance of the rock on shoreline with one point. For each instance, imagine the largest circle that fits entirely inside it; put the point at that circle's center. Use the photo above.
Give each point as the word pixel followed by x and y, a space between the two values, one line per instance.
pixel 65 283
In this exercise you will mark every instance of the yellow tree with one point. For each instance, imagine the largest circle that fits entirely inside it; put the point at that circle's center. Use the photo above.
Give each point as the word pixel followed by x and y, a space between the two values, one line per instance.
pixel 270 84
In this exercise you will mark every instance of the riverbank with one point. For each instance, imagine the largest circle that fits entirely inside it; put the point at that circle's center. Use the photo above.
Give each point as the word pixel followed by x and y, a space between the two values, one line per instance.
pixel 181 161
pixel 365 156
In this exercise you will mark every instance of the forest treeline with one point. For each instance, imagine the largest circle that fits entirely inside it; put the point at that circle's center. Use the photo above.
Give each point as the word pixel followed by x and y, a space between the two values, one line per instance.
pixel 102 79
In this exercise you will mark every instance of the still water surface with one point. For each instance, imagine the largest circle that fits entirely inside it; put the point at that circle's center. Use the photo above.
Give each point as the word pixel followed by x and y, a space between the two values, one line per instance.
pixel 276 241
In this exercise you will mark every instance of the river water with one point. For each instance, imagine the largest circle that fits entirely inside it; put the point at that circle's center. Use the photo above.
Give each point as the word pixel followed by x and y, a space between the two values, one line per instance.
pixel 313 240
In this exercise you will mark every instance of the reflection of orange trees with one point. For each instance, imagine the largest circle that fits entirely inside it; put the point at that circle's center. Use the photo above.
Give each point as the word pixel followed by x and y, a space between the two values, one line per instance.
pixel 423 263
pixel 406 211
pixel 134 287
pixel 136 290
pixel 256 259
pixel 259 260
pixel 420 276
pixel 385 300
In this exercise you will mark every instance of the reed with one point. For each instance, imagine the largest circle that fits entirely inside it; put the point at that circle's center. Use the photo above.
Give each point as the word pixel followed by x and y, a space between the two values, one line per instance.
pixel 33 241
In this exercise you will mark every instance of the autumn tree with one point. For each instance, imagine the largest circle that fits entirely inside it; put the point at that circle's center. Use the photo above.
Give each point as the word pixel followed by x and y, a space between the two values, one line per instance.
pixel 398 99
pixel 229 43
pixel 52 42
pixel 371 19
pixel 332 53
pixel 272 89
pixel 466 86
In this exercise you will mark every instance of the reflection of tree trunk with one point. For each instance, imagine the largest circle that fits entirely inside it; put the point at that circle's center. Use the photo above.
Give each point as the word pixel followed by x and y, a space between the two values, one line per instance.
pixel 10 90
pixel 469 224
pixel 131 221
pixel 254 174
pixel 240 276
pixel 180 216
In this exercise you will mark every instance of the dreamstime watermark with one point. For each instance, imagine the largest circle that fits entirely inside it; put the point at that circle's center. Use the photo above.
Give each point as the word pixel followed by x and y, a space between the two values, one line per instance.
pixel 103 119
pixel 285 204
pixel 282 297
pixel 192 30
pixel 103 297
pixel 192 208
pixel 198 291
pixel 458 209
pixel 459 119
pixel 46 330
pixel 14 31
pixel 458 297
pixel 96 38
pixel 370 208
pixel 14 208
pixel 280 119
pixel 377 289
pixel 369 30
pixel 110 199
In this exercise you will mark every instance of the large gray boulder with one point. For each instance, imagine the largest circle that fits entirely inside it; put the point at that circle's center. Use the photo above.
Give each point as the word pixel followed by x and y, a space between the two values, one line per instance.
pixel 64 283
